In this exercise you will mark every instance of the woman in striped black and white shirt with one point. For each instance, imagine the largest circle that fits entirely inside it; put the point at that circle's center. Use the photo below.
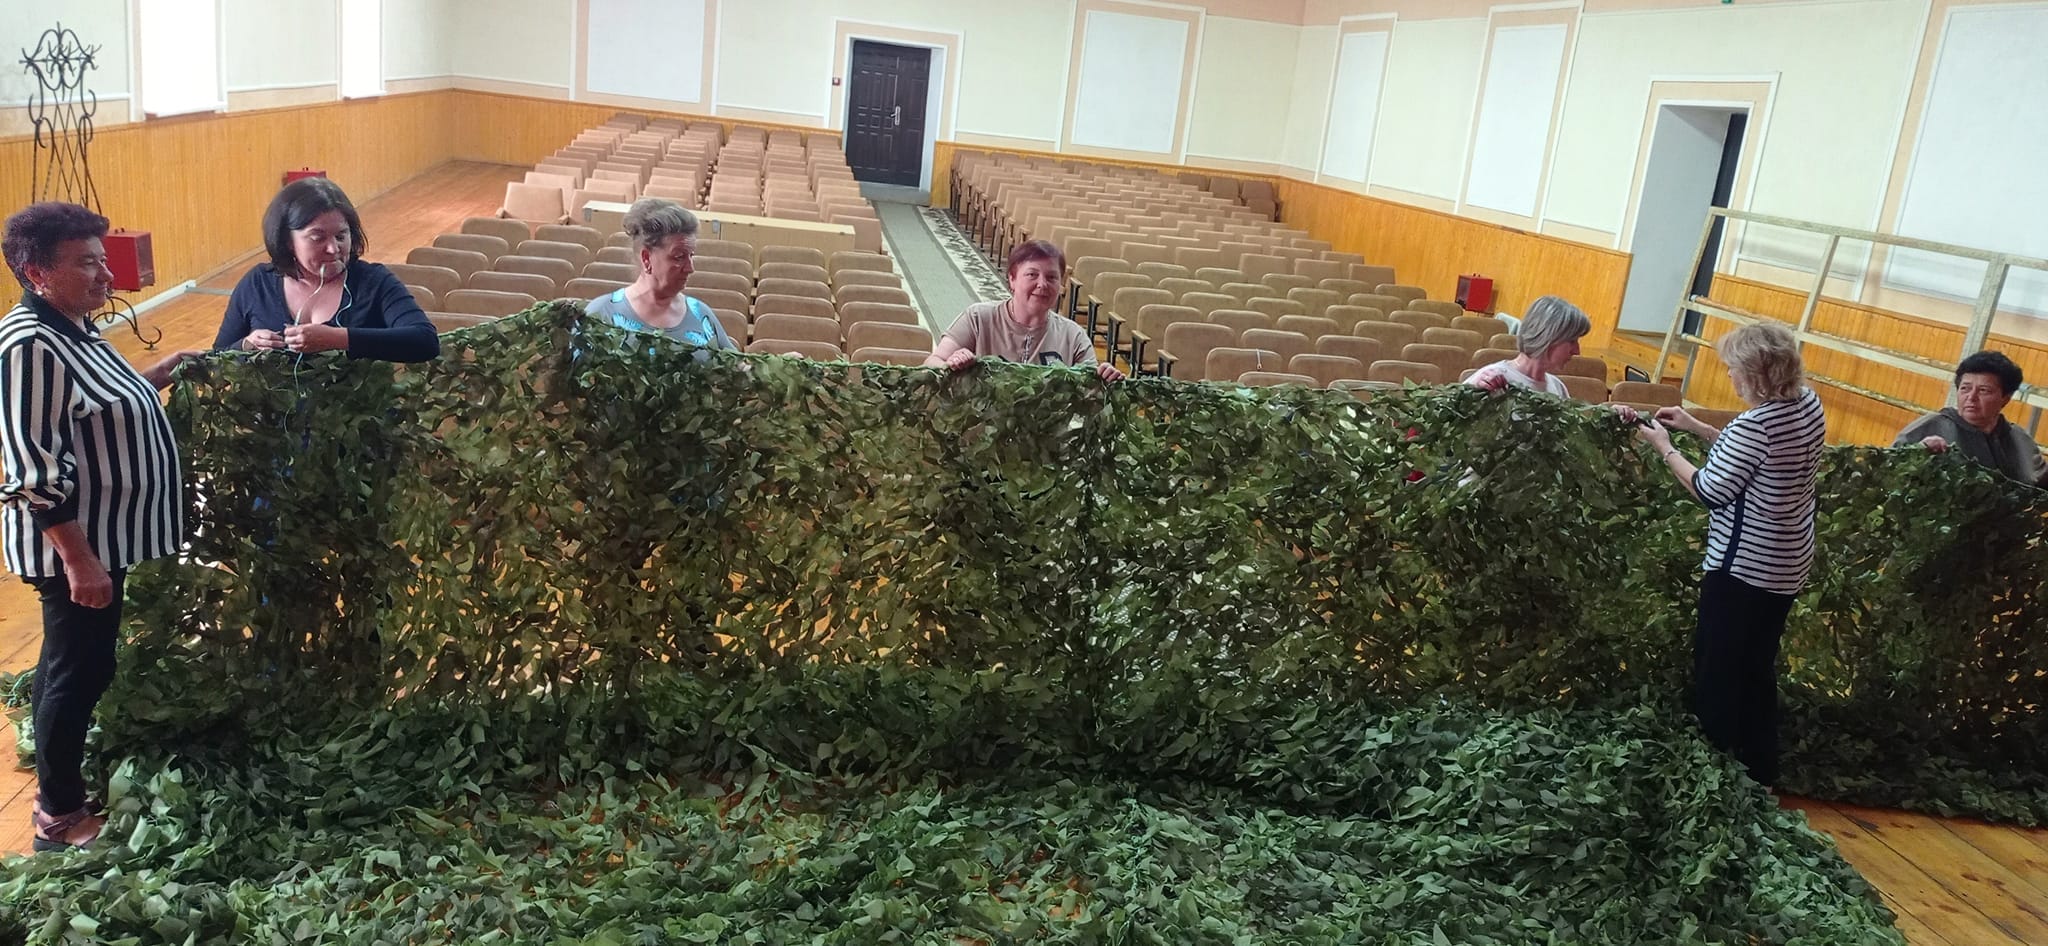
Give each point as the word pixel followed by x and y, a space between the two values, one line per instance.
pixel 89 485
pixel 1758 485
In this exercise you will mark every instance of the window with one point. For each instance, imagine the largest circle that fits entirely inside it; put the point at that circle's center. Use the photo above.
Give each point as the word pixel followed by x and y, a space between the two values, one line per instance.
pixel 362 48
pixel 179 43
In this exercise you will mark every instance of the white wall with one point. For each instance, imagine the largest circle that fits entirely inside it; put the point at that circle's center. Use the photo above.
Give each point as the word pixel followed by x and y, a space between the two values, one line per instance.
pixel 1433 69
pixel 1241 98
pixel 272 45
pixel 1314 64
pixel 1833 127
pixel 514 40
pixel 102 23
pixel 419 39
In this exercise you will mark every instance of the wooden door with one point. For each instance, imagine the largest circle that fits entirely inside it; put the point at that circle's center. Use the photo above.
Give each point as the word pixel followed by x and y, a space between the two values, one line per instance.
pixel 885 112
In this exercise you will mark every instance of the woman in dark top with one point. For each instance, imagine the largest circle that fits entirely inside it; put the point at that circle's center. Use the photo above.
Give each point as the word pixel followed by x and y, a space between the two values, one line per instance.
pixel 316 294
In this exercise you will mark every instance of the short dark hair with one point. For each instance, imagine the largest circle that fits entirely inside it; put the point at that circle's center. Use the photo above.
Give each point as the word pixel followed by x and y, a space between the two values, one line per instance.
pixel 1031 250
pixel 295 207
pixel 1992 363
pixel 34 232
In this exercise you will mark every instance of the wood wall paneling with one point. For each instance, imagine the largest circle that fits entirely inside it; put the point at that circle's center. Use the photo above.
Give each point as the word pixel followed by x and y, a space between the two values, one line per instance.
pixel 199 183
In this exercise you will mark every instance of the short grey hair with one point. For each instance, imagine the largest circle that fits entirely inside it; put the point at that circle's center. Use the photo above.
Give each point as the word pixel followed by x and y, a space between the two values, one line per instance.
pixel 1763 357
pixel 651 220
pixel 1550 320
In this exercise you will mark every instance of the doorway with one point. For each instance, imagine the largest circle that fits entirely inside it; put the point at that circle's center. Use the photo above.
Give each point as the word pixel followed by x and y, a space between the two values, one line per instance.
pixel 886 100
pixel 1695 154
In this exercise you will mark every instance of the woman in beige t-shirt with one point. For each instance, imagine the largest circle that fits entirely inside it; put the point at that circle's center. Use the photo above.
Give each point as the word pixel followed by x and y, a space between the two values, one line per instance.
pixel 1022 328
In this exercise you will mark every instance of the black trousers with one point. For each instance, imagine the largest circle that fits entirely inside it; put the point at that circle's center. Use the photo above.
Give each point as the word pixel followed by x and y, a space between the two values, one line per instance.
pixel 1735 670
pixel 76 666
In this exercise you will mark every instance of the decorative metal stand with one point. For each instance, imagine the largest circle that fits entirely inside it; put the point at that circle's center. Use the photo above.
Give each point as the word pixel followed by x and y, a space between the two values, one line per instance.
pixel 60 109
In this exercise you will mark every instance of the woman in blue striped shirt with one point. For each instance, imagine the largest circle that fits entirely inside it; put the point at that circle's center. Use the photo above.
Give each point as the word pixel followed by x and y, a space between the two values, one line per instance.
pixel 90 485
pixel 1758 485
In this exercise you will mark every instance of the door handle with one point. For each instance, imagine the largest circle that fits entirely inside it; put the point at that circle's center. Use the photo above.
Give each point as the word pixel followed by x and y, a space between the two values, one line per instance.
pixel 896 117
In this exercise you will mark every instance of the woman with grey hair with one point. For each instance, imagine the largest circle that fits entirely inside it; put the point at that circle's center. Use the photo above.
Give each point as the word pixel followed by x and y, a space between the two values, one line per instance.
pixel 1549 340
pixel 1758 487
pixel 665 238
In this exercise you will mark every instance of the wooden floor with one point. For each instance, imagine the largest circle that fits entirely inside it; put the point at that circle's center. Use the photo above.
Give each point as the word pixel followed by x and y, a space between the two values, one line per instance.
pixel 1953 882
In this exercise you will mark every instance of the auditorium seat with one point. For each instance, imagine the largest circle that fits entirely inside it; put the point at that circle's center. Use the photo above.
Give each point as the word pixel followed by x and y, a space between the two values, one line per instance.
pixel 533 203
pixel 486 302
pixel 874 334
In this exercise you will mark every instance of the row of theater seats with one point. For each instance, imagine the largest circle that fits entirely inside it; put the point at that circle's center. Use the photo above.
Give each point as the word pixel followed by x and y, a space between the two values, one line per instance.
pixel 779 299
pixel 1256 195
pixel 753 173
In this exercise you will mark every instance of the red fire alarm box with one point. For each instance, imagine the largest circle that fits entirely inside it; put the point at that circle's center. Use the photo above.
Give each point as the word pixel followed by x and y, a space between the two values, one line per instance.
pixel 1475 293
pixel 130 259
pixel 290 176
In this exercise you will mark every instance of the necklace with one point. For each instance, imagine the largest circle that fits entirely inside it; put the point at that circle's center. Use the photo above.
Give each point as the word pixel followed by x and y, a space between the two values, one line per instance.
pixel 1032 340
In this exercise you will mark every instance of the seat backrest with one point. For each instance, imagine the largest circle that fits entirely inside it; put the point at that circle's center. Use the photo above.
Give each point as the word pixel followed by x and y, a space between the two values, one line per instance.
pixel 1371 275
pixel 1284 283
pixel 733 249
pixel 1420 320
pixel 485 302
pixel 790 325
pixel 734 323
pixel 1373 300
pixel 1364 350
pixel 862 277
pixel 808 256
pixel 423 297
pixel 726 299
pixel 1260 265
pixel 1449 360
pixel 731 282
pixel 1586 366
pixel 1504 340
pixel 1189 344
pixel 1128 300
pixel 1136 253
pixel 777 304
pixel 1319 269
pixel 1286 344
pixel 575 254
pixel 1207 302
pixel 1240 321
pixel 878 334
pixel 1327 369
pixel 513 232
pixel 450 321
pixel 1276 307
pixel 1345 288
pixel 465 263
pixel 890 356
pixel 1347 317
pixel 1644 392
pixel 1487 326
pixel 1487 356
pixel 583 236
pixel 616 272
pixel 1403 292
pixel 1154 318
pixel 815 351
pixel 1582 388
pixel 1197 257
pixel 439 280
pixel 557 270
pixel 853 259
pixel 1230 363
pixel 1449 310
pixel 1393 336
pixel 1397 372
pixel 1221 275
pixel 491 247
pixel 1159 271
pixel 776 269
pixel 539 287
pixel 883 294
pixel 533 203
pixel 1267 379
pixel 1308 325
pixel 583 287
pixel 1456 338
pixel 702 264
pixel 1316 301
pixel 854 312
pixel 1245 292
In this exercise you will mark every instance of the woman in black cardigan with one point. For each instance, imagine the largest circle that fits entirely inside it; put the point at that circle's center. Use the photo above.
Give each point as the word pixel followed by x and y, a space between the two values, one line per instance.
pixel 316 294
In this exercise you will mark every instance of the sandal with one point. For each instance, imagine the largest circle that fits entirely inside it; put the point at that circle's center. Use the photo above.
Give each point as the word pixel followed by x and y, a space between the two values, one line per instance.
pixel 64 832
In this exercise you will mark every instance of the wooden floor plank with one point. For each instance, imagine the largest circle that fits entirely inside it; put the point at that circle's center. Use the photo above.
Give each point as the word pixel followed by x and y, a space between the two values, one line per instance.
pixel 1929 871
pixel 1908 888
